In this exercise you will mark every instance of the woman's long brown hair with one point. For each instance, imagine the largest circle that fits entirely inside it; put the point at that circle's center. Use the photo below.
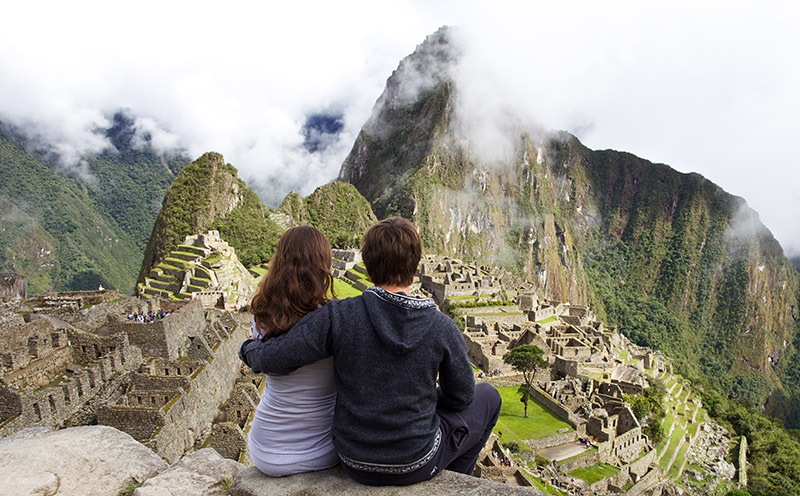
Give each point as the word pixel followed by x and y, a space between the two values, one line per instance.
pixel 298 281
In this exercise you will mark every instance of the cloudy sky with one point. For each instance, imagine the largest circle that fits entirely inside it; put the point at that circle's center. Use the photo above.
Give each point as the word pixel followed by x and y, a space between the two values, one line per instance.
pixel 709 87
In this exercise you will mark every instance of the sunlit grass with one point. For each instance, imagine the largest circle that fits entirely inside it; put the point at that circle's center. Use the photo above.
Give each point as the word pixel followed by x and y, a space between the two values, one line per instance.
pixel 595 472
pixel 541 422
pixel 344 290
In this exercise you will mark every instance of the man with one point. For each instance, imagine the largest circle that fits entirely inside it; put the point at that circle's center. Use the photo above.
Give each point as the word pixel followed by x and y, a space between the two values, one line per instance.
pixel 392 425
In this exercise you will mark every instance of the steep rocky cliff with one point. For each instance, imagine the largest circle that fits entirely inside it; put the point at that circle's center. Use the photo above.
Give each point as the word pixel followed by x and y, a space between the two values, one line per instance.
pixel 677 262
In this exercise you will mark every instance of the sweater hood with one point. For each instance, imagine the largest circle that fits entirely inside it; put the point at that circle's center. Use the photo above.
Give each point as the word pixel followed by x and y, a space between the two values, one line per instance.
pixel 402 322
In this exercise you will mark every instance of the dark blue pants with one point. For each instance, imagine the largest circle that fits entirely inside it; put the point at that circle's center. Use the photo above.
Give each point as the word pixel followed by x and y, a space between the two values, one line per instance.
pixel 464 434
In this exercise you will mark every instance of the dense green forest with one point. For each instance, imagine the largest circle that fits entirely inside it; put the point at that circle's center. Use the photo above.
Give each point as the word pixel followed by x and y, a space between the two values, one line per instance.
pixel 337 209
pixel 67 231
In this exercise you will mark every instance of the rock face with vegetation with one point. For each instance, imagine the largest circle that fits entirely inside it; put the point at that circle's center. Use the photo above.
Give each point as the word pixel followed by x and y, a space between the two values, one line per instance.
pixel 337 209
pixel 208 194
pixel 677 262
pixel 81 229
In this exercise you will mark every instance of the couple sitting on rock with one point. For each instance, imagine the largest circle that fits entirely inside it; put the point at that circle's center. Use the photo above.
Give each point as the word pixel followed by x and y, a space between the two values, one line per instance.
pixel 356 379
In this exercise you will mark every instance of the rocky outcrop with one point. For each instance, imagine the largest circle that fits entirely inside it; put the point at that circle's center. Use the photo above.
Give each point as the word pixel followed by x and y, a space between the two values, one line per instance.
pixel 96 460
pixel 101 460
pixel 201 472
pixel 251 482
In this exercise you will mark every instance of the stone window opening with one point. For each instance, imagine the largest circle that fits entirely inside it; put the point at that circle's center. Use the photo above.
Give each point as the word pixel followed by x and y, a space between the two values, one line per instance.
pixel 80 388
pixel 37 411
pixel 52 402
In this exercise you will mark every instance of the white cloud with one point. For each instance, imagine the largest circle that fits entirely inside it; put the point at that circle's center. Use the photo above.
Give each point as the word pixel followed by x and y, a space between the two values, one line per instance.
pixel 702 86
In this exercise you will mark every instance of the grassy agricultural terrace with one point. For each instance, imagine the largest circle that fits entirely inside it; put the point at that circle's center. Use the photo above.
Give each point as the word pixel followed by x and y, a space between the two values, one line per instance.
pixel 541 422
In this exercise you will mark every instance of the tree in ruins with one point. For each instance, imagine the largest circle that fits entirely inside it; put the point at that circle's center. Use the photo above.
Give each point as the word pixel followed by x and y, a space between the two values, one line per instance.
pixel 526 359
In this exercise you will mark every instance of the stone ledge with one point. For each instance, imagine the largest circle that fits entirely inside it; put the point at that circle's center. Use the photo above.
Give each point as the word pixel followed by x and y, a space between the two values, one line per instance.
pixel 251 482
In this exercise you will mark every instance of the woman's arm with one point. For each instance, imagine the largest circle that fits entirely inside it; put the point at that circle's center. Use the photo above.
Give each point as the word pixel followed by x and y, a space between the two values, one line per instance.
pixel 305 343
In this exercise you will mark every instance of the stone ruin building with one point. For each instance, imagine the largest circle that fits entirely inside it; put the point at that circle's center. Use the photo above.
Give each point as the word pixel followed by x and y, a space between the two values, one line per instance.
pixel 586 380
pixel 204 267
pixel 176 384
pixel 79 359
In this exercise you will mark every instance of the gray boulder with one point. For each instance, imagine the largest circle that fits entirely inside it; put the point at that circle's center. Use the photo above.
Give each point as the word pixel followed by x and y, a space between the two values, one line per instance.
pixel 251 482
pixel 202 472
pixel 95 459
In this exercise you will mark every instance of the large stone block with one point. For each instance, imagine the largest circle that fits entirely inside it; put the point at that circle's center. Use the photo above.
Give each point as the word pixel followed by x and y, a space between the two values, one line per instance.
pixel 96 460
pixel 202 472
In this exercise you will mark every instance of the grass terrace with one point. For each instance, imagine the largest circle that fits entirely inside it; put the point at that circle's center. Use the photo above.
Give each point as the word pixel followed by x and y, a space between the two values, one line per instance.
pixel 344 290
pixel 547 320
pixel 595 472
pixel 541 422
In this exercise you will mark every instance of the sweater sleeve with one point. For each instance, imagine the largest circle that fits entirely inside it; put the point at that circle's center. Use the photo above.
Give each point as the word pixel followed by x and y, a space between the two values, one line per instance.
pixel 456 381
pixel 307 342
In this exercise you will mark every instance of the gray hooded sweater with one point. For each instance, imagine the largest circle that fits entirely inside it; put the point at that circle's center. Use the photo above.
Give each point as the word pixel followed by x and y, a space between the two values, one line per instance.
pixel 388 349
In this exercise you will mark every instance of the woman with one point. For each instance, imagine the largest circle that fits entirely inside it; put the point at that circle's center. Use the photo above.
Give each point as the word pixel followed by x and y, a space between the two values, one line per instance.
pixel 291 429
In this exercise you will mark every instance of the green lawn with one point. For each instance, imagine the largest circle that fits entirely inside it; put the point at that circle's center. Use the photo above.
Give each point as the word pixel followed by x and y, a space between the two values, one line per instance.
pixel 552 318
pixel 595 472
pixel 344 290
pixel 515 427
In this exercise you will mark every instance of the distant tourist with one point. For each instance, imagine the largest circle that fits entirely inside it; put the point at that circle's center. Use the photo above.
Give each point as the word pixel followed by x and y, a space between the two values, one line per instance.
pixel 392 425
pixel 291 428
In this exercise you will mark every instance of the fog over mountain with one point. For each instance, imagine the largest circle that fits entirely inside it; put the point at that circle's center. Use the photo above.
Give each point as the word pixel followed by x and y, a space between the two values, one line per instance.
pixel 282 90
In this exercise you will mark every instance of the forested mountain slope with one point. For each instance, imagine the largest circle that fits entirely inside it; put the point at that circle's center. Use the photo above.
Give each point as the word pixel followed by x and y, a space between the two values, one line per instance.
pixel 677 262
pixel 68 231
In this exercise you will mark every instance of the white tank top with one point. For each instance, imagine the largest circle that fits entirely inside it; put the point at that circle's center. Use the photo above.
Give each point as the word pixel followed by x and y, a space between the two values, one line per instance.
pixel 291 429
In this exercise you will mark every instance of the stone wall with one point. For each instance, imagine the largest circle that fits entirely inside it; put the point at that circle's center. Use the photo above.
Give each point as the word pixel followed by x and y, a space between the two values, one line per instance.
pixel 582 462
pixel 166 337
pixel 640 467
pixel 228 439
pixel 192 413
pixel 554 440
pixel 652 477
pixel 557 409
pixel 15 336
pixel 140 422
pixel 629 445
pixel 566 367
pixel 42 371
pixel 51 406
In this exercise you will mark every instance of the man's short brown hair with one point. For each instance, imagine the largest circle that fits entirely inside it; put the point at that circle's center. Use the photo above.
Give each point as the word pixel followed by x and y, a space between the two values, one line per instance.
pixel 391 250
